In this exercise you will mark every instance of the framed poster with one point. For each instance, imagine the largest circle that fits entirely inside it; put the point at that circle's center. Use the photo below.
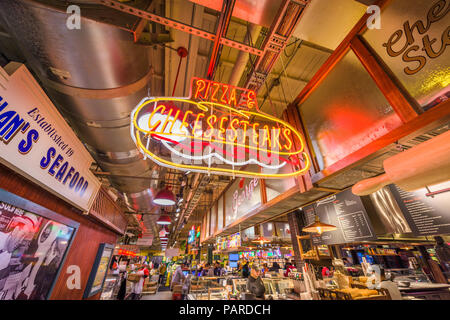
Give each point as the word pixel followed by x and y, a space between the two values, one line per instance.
pixel 34 242
pixel 99 270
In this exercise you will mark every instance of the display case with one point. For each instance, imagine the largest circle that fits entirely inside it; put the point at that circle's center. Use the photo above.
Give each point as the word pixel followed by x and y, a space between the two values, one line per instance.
pixel 110 287
pixel 200 288
pixel 310 252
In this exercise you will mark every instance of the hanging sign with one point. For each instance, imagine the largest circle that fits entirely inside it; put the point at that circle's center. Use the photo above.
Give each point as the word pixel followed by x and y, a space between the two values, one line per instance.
pixel 218 129
pixel 36 141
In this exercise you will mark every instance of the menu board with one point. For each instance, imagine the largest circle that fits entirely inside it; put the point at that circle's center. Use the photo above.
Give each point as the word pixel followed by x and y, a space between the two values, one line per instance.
pixel 426 215
pixel 345 211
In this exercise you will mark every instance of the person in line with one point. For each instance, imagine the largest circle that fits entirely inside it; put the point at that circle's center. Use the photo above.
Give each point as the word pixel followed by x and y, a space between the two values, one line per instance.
pixel 161 271
pixel 389 285
pixel 255 284
pixel 178 276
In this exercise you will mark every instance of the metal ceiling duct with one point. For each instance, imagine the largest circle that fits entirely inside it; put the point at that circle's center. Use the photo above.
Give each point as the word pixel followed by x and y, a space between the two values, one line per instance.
pixel 95 76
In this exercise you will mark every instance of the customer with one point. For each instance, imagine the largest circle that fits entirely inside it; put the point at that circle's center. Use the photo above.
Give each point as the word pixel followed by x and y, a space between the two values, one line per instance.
pixel 217 269
pixel 286 263
pixel 390 286
pixel 265 268
pixel 289 268
pixel 245 270
pixel 275 267
pixel 210 271
pixel 442 251
pixel 161 271
pixel 222 270
pixel 255 284
pixel 136 287
pixel 178 276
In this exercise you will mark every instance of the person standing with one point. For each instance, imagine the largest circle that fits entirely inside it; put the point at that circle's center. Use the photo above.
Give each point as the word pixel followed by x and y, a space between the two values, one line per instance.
pixel 161 271
pixel 442 251
pixel 289 268
pixel 255 284
pixel 245 270
pixel 136 287
pixel 217 269
pixel 178 276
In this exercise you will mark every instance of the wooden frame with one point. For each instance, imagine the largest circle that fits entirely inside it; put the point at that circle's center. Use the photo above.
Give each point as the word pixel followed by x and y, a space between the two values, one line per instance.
pixel 88 292
pixel 317 255
pixel 403 104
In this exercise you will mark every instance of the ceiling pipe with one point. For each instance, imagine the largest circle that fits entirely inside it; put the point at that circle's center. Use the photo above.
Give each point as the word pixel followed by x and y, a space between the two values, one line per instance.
pixel 253 32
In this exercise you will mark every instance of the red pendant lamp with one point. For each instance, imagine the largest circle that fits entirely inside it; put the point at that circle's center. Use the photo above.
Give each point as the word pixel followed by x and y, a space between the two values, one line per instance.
pixel 164 197
pixel 261 240
pixel 164 219
pixel 319 227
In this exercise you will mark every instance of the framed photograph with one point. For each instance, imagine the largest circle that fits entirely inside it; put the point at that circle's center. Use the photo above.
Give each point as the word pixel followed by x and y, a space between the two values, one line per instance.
pixel 34 242
pixel 99 270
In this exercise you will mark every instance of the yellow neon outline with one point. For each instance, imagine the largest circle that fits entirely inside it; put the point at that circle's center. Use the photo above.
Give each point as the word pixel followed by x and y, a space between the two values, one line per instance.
pixel 200 105
pixel 236 172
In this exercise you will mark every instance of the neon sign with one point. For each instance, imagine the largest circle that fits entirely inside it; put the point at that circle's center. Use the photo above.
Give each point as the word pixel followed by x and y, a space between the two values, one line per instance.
pixel 218 129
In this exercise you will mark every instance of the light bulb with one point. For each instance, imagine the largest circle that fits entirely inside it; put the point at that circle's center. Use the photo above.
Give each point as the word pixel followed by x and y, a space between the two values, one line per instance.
pixel 319 230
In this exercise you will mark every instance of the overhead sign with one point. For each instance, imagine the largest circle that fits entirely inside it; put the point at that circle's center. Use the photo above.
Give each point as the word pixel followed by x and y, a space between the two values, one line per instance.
pixel 36 141
pixel 146 239
pixel 344 210
pixel 191 237
pixel 218 129
pixel 230 242
pixel 426 211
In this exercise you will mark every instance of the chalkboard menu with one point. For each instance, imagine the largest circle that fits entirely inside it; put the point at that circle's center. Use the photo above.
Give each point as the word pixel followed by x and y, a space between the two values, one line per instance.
pixel 345 211
pixel 426 215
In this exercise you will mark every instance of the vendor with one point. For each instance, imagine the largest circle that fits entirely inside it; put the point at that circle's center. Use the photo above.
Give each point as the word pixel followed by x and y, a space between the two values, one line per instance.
pixel 255 284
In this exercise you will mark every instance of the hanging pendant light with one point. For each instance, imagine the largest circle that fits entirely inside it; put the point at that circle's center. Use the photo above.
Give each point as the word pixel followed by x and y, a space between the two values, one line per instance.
pixel 164 219
pixel 164 197
pixel 261 240
pixel 319 227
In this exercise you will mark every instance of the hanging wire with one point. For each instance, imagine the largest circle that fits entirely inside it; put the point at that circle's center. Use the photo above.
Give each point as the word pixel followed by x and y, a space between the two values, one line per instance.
pixel 287 78
pixel 254 69
pixel 176 78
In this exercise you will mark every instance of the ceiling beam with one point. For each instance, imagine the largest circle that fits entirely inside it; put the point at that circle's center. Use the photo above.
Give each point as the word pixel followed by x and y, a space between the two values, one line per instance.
pixel 221 32
pixel 178 25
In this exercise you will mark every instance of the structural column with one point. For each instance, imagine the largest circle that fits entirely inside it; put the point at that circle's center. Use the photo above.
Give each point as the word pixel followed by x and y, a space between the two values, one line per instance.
pixel 295 226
